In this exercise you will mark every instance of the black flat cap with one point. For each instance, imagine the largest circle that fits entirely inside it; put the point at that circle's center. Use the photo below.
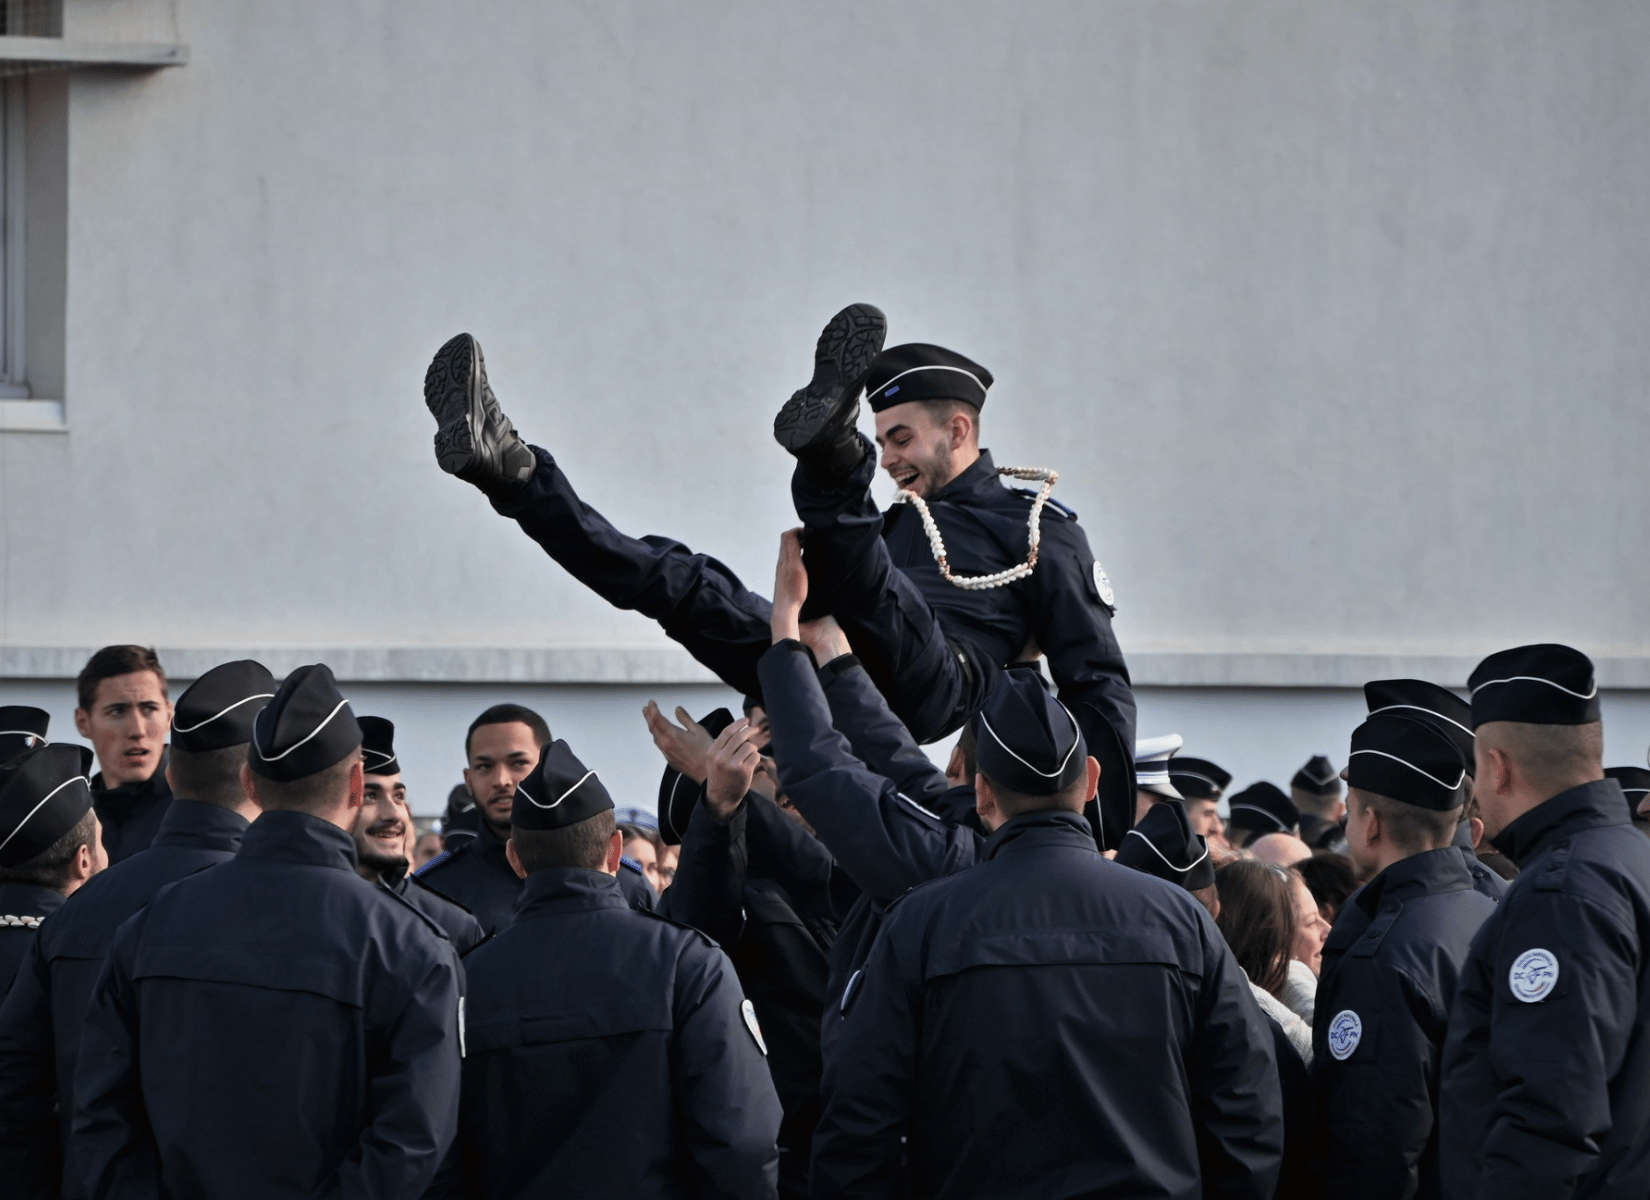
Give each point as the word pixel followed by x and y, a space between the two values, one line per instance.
pixel 1197 778
pixel 1164 845
pixel 306 728
pixel 561 791
pixel 21 728
pixel 678 793
pixel 1025 740
pixel 1537 685
pixel 1319 777
pixel 43 793
pixel 918 371
pixel 378 746
pixel 1264 808
pixel 1407 759
pixel 1635 781
pixel 1439 707
pixel 217 710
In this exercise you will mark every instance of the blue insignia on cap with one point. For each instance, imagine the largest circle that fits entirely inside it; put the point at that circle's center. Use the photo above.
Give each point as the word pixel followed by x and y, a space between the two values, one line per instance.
pixel 892 390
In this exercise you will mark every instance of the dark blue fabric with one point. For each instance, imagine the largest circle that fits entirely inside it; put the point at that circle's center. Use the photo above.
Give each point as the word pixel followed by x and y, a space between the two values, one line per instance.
pixel 638 892
pixel 1485 881
pixel 477 875
pixel 21 900
pixel 1048 1023
pixel 456 921
pixel 275 1026
pixel 1551 1097
pixel 607 1056
pixel 131 813
pixel 41 1020
pixel 1393 960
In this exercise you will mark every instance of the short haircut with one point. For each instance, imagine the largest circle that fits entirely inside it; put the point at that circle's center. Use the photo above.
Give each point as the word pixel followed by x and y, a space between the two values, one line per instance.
pixel 1013 804
pixel 1554 758
pixel 1330 878
pixel 1413 829
pixel 632 832
pixel 312 794
pixel 581 845
pixel 969 745
pixel 941 411
pixel 1257 919
pixel 111 662
pixel 50 868
pixel 210 776
pixel 508 714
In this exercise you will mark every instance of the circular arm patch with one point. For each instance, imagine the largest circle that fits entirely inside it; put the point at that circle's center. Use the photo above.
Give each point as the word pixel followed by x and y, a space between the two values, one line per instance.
pixel 1344 1034
pixel 1533 976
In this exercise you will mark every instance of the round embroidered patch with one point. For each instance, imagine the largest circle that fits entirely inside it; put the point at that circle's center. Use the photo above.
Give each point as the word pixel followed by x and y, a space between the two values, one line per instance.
pixel 748 1011
pixel 1345 1032
pixel 1533 976
pixel 1103 585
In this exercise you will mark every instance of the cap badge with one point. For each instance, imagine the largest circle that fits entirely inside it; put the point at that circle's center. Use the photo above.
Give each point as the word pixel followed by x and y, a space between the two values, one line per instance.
pixel 891 391
pixel 1345 1032
pixel 1533 976
pixel 748 1011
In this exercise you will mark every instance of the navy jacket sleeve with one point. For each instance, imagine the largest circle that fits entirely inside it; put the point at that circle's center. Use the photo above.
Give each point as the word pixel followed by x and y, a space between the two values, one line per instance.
pixel 1073 627
pixel 114 1153
pixel 782 850
pixel 885 841
pixel 1237 1104
pixel 29 1154
pixel 1374 1109
pixel 709 890
pixel 870 1081
pixel 730 1111
pixel 876 736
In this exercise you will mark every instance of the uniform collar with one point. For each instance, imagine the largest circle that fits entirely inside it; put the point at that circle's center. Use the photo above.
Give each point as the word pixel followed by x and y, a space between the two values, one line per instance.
pixel 200 826
pixel 569 888
pixel 28 900
pixel 1035 830
pixel 297 837
pixel 1589 806
pixel 488 844
pixel 1428 874
pixel 976 477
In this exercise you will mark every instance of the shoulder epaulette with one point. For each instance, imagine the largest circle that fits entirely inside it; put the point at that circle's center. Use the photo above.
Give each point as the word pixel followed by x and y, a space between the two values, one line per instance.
pixel 1049 505
pixel 659 916
pixel 443 896
pixel 435 862
pixel 413 909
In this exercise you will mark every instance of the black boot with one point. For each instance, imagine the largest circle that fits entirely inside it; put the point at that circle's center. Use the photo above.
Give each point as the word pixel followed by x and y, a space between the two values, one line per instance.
pixel 817 424
pixel 475 440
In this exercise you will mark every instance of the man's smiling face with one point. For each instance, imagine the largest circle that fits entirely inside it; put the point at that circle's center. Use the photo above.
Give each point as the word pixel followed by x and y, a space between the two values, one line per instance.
pixel 127 726
pixel 923 448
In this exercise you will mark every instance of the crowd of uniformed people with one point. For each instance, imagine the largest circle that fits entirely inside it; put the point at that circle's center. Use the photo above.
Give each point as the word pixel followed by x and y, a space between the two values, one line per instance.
pixel 1072 963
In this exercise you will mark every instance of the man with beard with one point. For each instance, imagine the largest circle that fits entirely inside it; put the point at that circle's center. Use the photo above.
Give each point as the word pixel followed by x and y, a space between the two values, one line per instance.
pixel 41 1019
pixel 937 601
pixel 124 713
pixel 381 836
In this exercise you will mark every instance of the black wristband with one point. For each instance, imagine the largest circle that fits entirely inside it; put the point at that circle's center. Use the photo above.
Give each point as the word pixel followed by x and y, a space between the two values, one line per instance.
pixel 840 665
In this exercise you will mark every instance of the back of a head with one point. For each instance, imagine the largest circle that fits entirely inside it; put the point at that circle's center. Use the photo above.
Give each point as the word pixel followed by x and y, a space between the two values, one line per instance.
pixel 1280 849
pixel 506 714
pixel 1257 919
pixel 45 815
pixel 211 730
pixel 111 662
pixel 1539 705
pixel 1316 787
pixel 1330 878
pixel 562 816
pixel 306 745
pixel 1029 749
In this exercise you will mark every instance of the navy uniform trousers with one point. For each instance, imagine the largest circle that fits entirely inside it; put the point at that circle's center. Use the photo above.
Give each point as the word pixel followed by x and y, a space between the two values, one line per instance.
pixel 932 648
pixel 41 1019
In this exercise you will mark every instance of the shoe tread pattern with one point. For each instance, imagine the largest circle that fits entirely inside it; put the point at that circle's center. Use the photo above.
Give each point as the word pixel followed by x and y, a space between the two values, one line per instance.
pixel 447 394
pixel 846 348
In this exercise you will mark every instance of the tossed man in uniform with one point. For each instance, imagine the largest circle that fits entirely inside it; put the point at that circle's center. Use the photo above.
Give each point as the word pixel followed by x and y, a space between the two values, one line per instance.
pixel 610 1051
pixel 1546 1070
pixel 1047 1023
pixel 380 834
pixel 41 1019
pixel 1391 965
pixel 275 1026
pixel 934 613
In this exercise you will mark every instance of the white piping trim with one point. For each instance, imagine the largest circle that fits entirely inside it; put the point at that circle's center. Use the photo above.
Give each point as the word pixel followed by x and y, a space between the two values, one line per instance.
pixel 1320 780
pixel 1058 771
pixel 1431 712
pixel 29 733
pixel 1538 679
pixel 1634 791
pixel 883 390
pixel 1265 812
pixel 921 809
pixel 176 728
pixel 670 805
pixel 298 743
pixel 1405 762
pixel 1195 775
pixel 41 805
pixel 1159 853
pixel 520 791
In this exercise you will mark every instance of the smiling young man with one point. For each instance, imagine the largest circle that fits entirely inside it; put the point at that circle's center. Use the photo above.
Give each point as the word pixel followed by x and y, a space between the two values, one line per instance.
pixel 124 713
pixel 932 645
pixel 502 748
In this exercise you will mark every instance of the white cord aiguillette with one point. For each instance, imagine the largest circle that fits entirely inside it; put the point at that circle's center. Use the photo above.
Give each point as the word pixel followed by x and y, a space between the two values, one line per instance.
pixel 979 583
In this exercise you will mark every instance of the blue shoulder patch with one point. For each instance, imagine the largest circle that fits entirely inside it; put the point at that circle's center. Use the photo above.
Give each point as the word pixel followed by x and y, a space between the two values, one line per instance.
pixel 434 862
pixel 1049 505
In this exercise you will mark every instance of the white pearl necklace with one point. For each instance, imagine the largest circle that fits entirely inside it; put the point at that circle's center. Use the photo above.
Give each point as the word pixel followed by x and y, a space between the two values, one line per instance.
pixel 979 583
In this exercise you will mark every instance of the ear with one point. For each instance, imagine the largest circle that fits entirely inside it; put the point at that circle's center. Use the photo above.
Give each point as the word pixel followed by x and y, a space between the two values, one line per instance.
pixel 1092 787
pixel 1476 824
pixel 83 723
pixel 615 851
pixel 954 766
pixel 1495 771
pixel 962 430
pixel 1372 826
pixel 249 783
pixel 83 861
pixel 170 786
pixel 357 784
pixel 514 859
pixel 985 802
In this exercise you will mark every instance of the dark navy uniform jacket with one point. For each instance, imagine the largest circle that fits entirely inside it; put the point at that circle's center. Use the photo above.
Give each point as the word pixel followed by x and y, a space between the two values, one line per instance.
pixel 1059 605
pixel 477 876
pixel 608 1056
pixel 41 1020
pixel 1048 1024
pixel 868 790
pixel 1384 993
pixel 760 886
pixel 131 813
pixel 273 1027
pixel 456 921
pixel 1546 1088
pixel 1484 881
pixel 27 906
pixel 638 892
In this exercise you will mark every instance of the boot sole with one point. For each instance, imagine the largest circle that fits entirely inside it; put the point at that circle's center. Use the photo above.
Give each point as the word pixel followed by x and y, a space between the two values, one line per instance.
pixel 846 349
pixel 449 393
